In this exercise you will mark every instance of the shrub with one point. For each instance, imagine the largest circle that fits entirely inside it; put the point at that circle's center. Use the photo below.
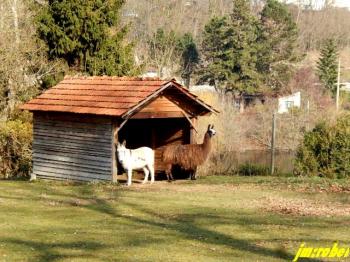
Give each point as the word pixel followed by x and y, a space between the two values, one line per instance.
pixel 325 150
pixel 15 149
pixel 248 169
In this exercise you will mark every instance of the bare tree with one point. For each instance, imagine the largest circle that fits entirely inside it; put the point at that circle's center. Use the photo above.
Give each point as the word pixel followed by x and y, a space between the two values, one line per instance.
pixel 23 61
pixel 14 9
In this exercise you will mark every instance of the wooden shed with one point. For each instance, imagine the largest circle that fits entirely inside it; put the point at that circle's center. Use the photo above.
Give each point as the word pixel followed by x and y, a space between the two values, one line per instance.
pixel 77 123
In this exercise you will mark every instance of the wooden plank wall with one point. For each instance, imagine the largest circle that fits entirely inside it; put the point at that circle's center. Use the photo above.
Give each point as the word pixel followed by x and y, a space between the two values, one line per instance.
pixel 74 148
pixel 162 107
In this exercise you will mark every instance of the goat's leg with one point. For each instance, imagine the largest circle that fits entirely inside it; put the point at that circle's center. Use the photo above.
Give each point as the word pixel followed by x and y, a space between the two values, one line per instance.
pixel 146 171
pixel 151 169
pixel 32 177
pixel 129 177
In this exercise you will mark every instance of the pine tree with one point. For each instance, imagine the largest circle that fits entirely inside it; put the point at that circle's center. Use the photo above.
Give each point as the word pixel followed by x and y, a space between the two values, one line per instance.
pixel 216 66
pixel 87 35
pixel 277 45
pixel 244 48
pixel 230 51
pixel 189 57
pixel 327 65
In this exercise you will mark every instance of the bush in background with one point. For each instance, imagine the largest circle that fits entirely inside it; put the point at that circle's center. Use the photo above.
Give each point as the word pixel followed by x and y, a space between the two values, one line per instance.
pixel 249 169
pixel 15 148
pixel 325 150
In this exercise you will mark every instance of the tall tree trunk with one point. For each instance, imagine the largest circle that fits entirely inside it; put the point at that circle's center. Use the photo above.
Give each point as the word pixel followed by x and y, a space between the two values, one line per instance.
pixel 14 9
pixel 1 16
pixel 187 81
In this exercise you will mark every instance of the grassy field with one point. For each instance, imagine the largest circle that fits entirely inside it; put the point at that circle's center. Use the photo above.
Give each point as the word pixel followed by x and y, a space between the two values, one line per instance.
pixel 211 219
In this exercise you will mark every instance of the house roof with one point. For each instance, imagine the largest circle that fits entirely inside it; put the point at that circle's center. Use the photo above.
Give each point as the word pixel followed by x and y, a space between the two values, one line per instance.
pixel 111 96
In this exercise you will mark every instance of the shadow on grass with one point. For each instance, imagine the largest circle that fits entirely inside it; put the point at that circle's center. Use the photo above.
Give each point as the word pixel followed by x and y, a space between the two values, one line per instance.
pixel 21 178
pixel 57 251
pixel 187 227
pixel 184 225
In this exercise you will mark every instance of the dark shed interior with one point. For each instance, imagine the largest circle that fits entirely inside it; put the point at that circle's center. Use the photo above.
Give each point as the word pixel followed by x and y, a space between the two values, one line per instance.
pixel 156 134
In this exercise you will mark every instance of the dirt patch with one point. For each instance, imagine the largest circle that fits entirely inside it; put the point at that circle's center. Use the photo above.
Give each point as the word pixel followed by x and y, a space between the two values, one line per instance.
pixel 303 207
pixel 333 188
pixel 182 186
pixel 50 201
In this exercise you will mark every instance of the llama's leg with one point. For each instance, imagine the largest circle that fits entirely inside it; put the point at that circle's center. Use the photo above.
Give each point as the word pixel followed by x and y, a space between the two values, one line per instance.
pixel 193 174
pixel 171 173
pixel 189 173
pixel 168 172
pixel 129 177
pixel 151 169
pixel 146 171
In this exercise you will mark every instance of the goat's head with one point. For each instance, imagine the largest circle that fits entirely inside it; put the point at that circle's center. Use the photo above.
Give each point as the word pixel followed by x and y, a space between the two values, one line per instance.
pixel 211 131
pixel 121 150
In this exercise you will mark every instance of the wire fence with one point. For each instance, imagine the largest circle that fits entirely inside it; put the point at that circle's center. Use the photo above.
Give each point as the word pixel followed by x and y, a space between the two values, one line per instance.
pixel 284 160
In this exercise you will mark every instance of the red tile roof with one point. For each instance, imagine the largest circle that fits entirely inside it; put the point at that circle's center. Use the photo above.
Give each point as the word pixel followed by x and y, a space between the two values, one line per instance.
pixel 113 96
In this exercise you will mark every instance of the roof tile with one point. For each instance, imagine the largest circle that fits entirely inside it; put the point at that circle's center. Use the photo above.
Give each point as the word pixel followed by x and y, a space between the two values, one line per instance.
pixel 112 96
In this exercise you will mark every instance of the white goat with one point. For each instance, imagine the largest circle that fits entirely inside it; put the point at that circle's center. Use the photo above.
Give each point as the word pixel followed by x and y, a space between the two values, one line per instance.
pixel 136 159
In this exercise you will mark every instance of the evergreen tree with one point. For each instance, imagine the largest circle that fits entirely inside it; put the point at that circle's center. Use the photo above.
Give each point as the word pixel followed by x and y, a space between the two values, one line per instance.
pixel 216 47
pixel 87 35
pixel 244 48
pixel 277 45
pixel 230 51
pixel 189 57
pixel 327 65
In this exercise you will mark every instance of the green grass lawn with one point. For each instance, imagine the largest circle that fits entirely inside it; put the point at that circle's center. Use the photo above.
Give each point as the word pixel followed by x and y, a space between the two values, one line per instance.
pixel 211 219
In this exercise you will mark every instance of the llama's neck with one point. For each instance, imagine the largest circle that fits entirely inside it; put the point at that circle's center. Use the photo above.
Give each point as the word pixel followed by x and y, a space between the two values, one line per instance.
pixel 206 145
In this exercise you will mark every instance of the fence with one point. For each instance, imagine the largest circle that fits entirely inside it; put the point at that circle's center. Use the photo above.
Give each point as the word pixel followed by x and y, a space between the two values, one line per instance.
pixel 284 160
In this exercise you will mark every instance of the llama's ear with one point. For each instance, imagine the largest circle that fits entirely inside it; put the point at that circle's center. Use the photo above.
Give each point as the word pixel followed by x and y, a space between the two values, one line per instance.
pixel 212 126
pixel 124 143
pixel 209 127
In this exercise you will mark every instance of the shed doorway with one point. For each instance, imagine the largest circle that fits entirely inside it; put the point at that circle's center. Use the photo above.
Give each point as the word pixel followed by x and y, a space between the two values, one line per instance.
pixel 156 134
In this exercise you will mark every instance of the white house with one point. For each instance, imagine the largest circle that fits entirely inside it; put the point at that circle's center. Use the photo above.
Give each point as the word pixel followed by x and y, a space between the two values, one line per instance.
pixel 209 88
pixel 287 102
pixel 345 86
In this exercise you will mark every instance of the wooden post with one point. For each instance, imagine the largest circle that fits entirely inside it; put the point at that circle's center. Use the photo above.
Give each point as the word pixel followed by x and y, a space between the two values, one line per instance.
pixel 273 138
pixel 193 139
pixel 114 157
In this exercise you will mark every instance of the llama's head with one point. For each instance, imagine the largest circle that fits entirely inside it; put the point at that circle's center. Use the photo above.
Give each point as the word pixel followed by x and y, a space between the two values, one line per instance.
pixel 121 151
pixel 211 131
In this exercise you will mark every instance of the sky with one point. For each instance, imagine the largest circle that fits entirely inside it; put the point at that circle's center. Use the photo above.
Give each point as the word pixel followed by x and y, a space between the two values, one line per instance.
pixel 319 3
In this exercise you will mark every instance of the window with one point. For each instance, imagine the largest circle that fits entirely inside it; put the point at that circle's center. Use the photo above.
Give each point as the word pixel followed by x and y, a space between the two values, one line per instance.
pixel 289 104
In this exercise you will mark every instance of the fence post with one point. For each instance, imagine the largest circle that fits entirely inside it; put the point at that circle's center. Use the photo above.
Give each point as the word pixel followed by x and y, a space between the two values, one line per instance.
pixel 273 138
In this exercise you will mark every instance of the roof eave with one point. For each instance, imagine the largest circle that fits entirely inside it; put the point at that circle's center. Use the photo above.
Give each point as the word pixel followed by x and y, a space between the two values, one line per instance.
pixel 172 82
pixel 135 108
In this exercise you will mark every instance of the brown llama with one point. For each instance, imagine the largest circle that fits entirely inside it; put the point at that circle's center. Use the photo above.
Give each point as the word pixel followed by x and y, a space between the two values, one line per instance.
pixel 188 157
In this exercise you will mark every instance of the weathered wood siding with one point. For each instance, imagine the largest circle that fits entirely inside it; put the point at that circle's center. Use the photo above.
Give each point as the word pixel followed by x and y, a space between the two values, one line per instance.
pixel 72 147
pixel 162 107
